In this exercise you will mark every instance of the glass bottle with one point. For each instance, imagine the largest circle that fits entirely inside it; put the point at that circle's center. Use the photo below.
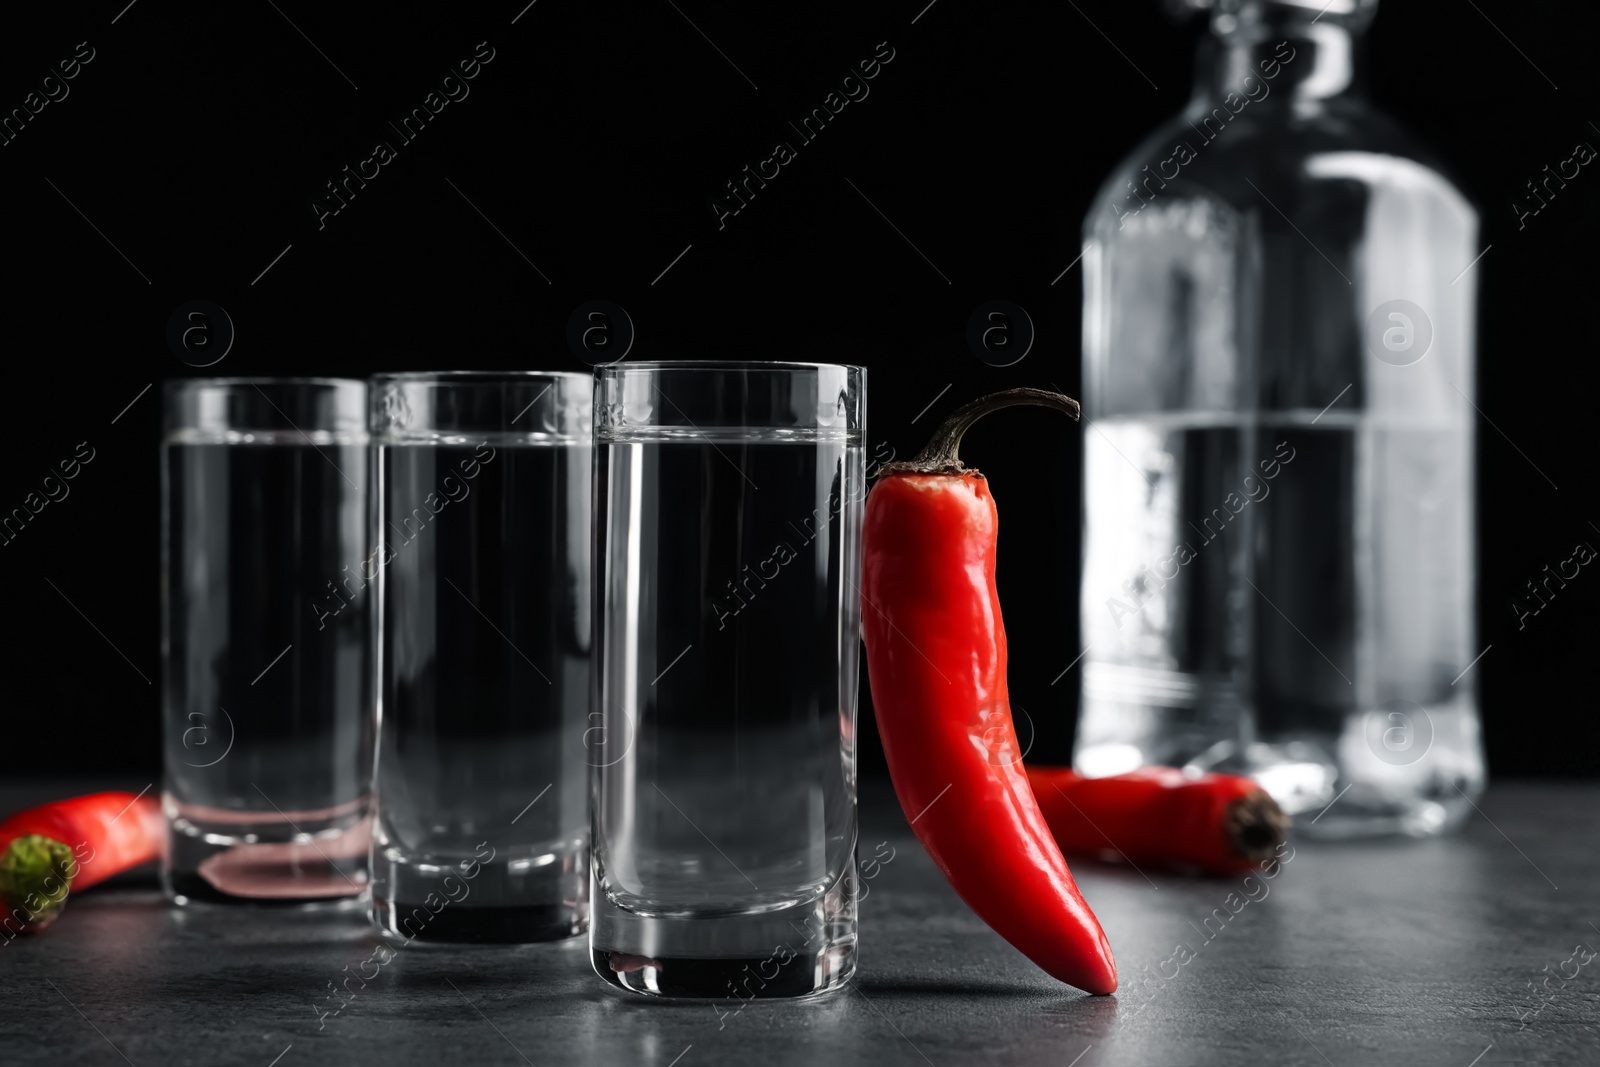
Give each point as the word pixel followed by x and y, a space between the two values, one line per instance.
pixel 1278 570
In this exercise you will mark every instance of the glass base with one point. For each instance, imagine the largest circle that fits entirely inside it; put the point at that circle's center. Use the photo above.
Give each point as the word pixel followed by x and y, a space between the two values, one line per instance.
pixel 1397 769
pixel 538 893
pixel 731 979
pixel 1419 818
pixel 1339 791
pixel 463 924
pixel 803 951
pixel 222 856
pixel 187 889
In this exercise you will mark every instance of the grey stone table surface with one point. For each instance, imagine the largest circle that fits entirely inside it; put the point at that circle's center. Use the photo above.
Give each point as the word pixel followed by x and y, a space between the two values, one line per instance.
pixel 1462 951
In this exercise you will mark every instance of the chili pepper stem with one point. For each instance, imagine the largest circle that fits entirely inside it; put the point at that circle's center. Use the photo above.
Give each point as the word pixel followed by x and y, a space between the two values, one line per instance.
pixel 27 868
pixel 941 456
pixel 1256 826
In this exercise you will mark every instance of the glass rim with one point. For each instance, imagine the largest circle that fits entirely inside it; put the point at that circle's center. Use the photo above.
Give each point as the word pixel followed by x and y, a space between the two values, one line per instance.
pixel 424 376
pixel 234 410
pixel 728 365
pixel 792 399
pixel 439 407
pixel 260 380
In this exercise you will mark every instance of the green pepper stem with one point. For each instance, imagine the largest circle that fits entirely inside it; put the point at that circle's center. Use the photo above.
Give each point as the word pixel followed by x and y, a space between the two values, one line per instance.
pixel 27 868
pixel 942 454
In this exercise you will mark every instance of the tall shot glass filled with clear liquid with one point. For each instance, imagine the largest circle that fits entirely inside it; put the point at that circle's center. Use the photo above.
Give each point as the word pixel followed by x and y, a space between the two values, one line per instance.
pixel 266 691
pixel 728 501
pixel 482 570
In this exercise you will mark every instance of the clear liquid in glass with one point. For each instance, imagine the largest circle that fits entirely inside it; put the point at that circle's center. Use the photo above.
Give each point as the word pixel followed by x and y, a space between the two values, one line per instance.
pixel 267 695
pixel 726 712
pixel 483 821
pixel 1294 568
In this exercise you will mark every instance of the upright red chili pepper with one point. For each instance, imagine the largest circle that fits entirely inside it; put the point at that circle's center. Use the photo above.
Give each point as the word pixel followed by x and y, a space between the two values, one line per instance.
pixel 1162 816
pixel 936 659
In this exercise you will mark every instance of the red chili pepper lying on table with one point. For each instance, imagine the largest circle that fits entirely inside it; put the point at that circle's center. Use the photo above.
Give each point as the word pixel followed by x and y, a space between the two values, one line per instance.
pixel 936 659
pixel 1162 816
pixel 48 851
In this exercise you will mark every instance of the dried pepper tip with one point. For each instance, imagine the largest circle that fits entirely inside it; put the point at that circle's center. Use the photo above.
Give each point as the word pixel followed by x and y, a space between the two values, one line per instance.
pixel 35 874
pixel 1255 826
pixel 940 456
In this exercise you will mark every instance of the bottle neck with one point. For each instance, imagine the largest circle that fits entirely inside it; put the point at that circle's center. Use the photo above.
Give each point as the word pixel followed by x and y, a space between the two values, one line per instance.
pixel 1306 62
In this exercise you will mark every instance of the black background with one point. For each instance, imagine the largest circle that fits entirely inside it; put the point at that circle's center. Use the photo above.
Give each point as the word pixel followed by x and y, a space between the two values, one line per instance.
pixel 198 137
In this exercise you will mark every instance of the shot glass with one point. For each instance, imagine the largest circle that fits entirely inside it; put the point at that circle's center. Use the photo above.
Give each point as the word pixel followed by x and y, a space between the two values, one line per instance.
pixel 483 582
pixel 728 503
pixel 266 655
